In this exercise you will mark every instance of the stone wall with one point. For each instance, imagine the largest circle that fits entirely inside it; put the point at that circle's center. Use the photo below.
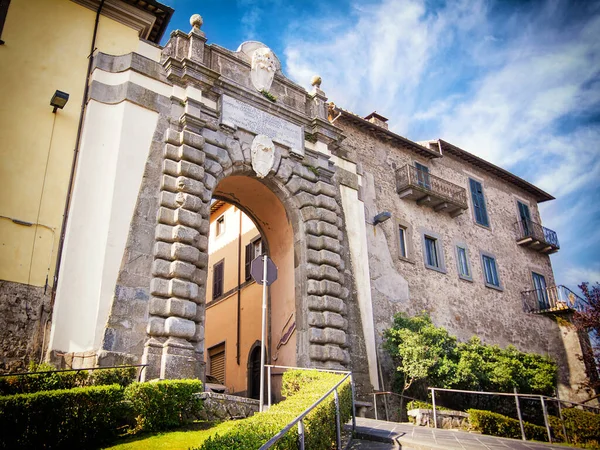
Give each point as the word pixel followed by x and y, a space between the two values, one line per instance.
pixel 23 318
pixel 465 308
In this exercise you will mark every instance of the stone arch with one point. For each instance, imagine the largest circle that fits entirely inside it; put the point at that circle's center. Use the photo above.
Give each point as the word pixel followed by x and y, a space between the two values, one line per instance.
pixel 197 157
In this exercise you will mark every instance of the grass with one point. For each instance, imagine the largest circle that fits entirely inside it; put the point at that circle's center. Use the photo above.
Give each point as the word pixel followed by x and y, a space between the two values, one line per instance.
pixel 183 438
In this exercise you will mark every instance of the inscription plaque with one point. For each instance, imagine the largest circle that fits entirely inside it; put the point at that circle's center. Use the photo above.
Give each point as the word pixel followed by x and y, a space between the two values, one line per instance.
pixel 235 113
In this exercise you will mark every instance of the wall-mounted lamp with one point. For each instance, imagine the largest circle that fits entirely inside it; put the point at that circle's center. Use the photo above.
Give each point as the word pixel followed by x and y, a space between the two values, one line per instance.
pixel 381 217
pixel 59 100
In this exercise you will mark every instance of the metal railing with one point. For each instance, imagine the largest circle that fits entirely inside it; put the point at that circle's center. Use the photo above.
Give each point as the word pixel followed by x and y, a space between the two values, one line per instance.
pixel 410 176
pixel 526 228
pixel 552 299
pixel 299 421
pixel 542 399
pixel 143 366
pixel 377 393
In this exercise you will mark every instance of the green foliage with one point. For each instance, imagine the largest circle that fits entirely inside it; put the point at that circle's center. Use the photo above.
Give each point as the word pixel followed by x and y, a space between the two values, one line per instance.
pixel 417 404
pixel 52 380
pixel 73 418
pixel 428 353
pixel 302 389
pixel 495 424
pixel 268 96
pixel 583 428
pixel 164 404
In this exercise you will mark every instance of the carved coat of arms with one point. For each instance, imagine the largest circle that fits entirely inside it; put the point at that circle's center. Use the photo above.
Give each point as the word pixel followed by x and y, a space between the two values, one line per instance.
pixel 263 155
pixel 263 68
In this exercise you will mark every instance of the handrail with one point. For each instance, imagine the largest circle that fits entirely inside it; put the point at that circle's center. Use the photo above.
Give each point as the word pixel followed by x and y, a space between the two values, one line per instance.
pixel 552 299
pixel 298 420
pixel 143 366
pixel 411 176
pixel 527 228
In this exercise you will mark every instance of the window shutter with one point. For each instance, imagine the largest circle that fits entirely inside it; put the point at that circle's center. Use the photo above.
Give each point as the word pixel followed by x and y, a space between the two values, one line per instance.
pixel 217 280
pixel 248 260
pixel 478 202
pixel 217 362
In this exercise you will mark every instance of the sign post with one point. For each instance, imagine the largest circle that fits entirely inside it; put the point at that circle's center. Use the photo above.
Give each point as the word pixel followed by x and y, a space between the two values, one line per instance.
pixel 264 272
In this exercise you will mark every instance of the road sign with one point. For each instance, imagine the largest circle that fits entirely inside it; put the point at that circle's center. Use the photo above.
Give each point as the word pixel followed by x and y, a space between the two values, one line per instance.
pixel 257 269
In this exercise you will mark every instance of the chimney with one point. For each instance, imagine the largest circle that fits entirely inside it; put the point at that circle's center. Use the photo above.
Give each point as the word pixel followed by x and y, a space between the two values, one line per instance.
pixel 377 119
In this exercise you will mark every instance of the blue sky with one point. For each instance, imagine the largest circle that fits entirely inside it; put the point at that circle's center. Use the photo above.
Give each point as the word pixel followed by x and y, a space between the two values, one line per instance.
pixel 515 82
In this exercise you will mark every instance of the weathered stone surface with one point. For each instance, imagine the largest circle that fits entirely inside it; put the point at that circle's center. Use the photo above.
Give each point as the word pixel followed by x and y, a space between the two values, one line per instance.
pixel 180 328
pixel 226 407
pixel 326 303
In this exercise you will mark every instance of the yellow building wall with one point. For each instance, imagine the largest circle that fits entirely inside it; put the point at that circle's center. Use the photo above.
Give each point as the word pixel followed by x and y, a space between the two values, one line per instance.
pixel 221 317
pixel 46 48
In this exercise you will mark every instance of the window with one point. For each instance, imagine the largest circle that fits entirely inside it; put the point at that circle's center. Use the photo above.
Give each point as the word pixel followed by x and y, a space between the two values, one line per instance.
pixel 220 227
pixel 462 261
pixel 402 241
pixel 216 362
pixel 541 292
pixel 431 253
pixel 525 219
pixel 218 279
pixel 423 175
pixel 253 249
pixel 479 208
pixel 490 272
pixel 3 11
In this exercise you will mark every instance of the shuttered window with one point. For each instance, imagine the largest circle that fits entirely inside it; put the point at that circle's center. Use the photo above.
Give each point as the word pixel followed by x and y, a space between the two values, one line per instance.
pixel 490 271
pixel 480 211
pixel 216 357
pixel 464 271
pixel 253 249
pixel 402 237
pixel 431 252
pixel 218 279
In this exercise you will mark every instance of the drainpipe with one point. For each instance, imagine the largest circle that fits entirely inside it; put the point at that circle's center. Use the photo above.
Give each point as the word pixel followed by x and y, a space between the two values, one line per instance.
pixel 75 156
pixel 239 291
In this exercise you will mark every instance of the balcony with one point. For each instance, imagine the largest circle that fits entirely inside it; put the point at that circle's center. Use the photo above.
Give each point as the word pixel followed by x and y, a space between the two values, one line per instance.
pixel 536 237
pixel 432 191
pixel 554 299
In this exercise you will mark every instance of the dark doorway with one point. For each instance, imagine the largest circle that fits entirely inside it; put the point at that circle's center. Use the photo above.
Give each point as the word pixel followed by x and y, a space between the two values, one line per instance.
pixel 254 372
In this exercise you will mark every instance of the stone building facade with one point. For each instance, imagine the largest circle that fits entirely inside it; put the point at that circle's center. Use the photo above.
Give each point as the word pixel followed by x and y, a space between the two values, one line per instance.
pixel 169 129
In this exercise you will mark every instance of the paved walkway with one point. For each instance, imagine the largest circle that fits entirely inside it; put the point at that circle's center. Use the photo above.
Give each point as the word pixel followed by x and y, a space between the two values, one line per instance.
pixel 409 437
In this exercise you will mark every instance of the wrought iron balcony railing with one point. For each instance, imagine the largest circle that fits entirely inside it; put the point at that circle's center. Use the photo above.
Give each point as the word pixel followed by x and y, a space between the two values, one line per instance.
pixel 553 299
pixel 537 237
pixel 427 189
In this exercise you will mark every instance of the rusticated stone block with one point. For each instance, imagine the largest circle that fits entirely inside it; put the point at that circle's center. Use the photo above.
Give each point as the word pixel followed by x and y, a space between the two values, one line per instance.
pixel 162 250
pixel 188 201
pixel 181 328
pixel 190 186
pixel 304 172
pixel 218 154
pixel 169 200
pixel 324 257
pixel 284 172
pixel 158 307
pixel 202 261
pixel 213 167
pixel 323 272
pixel 326 303
pixel 166 216
pixel 323 243
pixel 209 181
pixel 327 319
pixel 327 336
pixel 311 212
pixel 156 326
pixel 164 233
pixel 318 228
pixel 185 217
pixel 180 269
pixel 191 170
pixel 182 288
pixel 159 287
pixel 186 235
pixel 172 136
pixel 328 353
pixel 185 252
pixel 192 139
pixel 168 183
pixel 181 308
pixel 160 268
pixel 324 287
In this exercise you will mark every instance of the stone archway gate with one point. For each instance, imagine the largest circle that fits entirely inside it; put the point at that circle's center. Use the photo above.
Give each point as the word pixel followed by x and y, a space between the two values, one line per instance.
pixel 197 144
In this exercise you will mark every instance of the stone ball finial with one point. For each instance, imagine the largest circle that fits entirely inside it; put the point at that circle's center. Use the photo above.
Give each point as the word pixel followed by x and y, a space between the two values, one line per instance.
pixel 316 81
pixel 196 21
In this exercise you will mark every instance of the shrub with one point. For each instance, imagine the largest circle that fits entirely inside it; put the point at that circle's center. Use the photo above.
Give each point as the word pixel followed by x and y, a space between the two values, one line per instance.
pixel 163 404
pixel 48 379
pixel 302 388
pixel 582 427
pixel 74 418
pixel 418 404
pixel 495 424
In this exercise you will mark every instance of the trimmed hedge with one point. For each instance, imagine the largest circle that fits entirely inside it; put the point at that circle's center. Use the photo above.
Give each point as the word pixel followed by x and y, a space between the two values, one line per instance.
pixel 164 404
pixel 495 424
pixel 583 428
pixel 302 389
pixel 418 404
pixel 49 381
pixel 73 418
